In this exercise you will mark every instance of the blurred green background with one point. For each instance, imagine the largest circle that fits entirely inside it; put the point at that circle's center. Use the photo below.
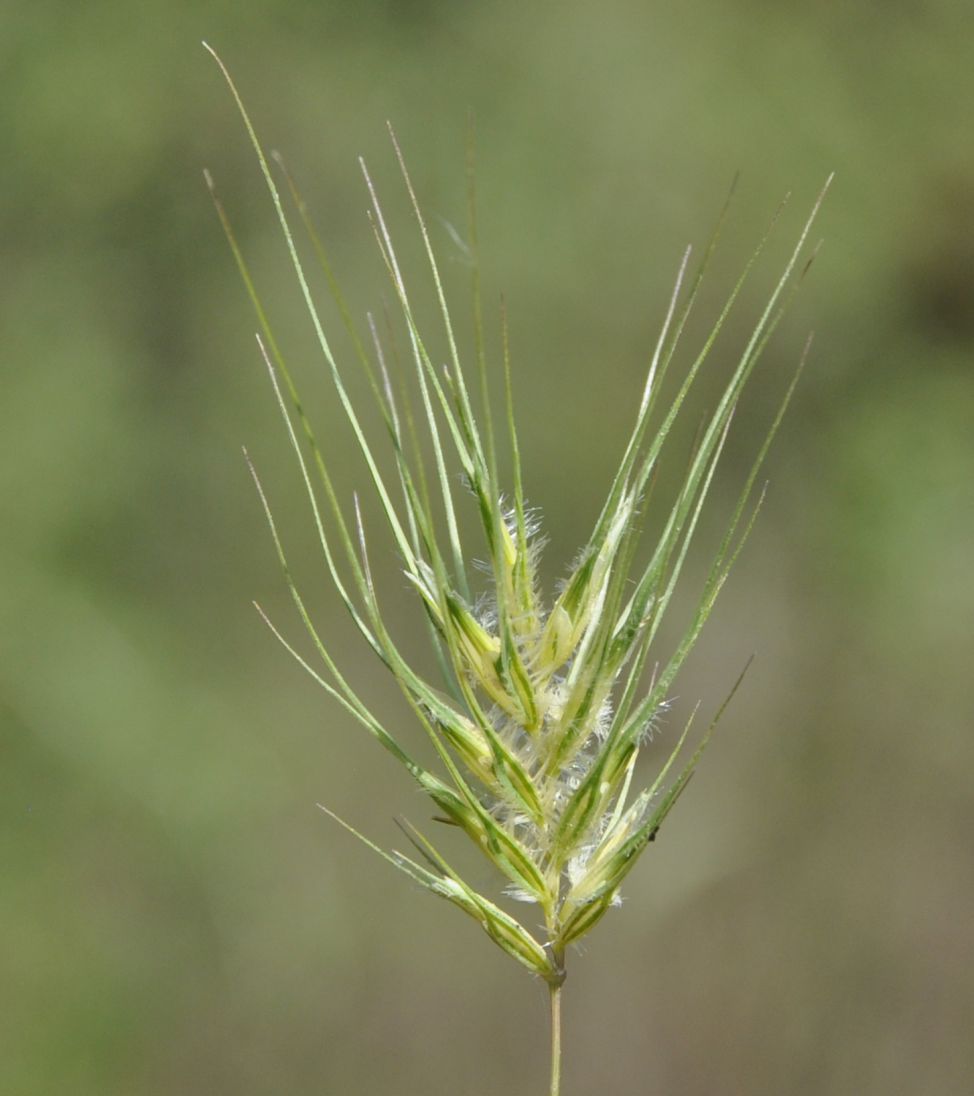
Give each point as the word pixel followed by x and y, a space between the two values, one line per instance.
pixel 176 915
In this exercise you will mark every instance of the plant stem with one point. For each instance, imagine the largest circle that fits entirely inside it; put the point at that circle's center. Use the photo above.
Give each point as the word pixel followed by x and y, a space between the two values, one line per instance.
pixel 555 998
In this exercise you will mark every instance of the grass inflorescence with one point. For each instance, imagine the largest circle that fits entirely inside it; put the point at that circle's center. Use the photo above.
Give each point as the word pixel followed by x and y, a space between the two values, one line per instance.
pixel 545 702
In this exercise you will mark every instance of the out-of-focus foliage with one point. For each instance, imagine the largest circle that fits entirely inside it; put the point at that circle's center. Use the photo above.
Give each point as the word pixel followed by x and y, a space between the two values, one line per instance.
pixel 176 915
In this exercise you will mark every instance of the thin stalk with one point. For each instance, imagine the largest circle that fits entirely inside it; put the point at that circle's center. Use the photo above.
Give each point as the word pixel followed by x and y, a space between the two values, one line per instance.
pixel 555 999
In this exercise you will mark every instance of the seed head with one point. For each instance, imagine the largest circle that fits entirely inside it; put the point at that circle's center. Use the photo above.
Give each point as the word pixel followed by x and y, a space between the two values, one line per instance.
pixel 543 707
